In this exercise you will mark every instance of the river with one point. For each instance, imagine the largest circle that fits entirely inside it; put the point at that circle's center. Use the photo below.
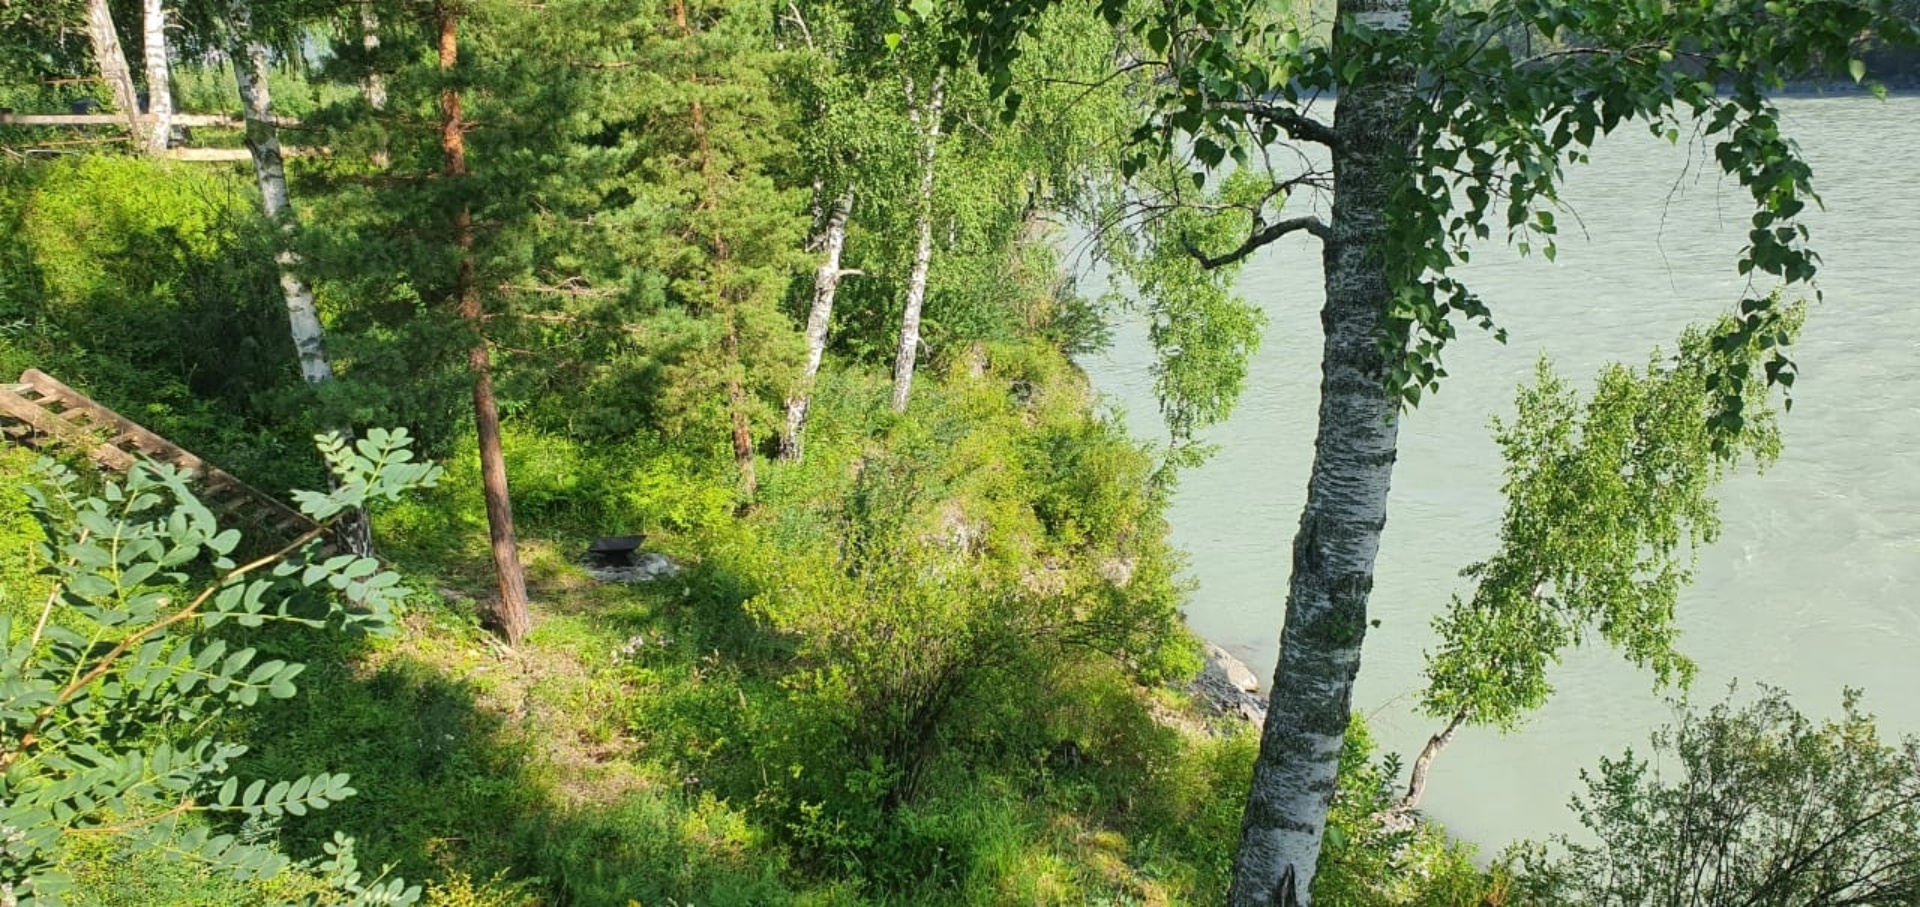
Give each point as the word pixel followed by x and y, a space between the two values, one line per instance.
pixel 1812 585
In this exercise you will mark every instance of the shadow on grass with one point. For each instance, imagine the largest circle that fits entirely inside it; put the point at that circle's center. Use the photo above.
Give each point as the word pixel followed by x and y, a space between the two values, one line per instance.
pixel 476 763
pixel 620 755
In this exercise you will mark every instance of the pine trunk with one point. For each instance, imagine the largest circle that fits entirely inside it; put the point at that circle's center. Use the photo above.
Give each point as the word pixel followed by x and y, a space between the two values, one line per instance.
pixel 737 413
pixel 928 119
pixel 510 615
pixel 112 62
pixel 826 283
pixel 1346 507
pixel 159 79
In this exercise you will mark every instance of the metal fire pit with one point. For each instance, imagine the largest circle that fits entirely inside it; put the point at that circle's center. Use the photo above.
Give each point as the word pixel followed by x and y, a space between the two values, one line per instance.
pixel 614 551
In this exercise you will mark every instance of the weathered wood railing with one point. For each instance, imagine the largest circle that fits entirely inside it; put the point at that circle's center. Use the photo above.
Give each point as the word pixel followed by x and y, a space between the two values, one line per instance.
pixel 41 412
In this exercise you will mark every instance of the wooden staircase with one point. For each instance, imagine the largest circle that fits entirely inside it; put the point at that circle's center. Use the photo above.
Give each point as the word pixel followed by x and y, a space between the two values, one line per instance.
pixel 41 412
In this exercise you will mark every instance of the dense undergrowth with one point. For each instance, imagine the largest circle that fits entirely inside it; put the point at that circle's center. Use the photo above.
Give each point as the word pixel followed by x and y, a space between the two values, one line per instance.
pixel 938 661
pixel 667 743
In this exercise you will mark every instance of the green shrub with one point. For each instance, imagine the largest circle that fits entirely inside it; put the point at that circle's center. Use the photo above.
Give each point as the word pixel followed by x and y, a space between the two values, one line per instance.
pixel 926 585
pixel 22 587
pixel 152 288
pixel 1748 804
pixel 460 890
pixel 164 267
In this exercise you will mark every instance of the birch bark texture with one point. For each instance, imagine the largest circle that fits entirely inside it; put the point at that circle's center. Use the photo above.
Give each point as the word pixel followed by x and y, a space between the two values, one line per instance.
pixel 153 35
pixel 826 284
pixel 373 89
pixel 112 63
pixel 1346 509
pixel 926 118
pixel 249 59
pixel 269 170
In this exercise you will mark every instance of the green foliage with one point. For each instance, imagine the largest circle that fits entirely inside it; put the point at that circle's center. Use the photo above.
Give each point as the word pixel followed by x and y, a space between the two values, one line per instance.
pixel 151 288
pixel 994 270
pixel 909 591
pixel 1375 858
pixel 460 890
pixel 109 691
pixel 1203 335
pixel 563 489
pixel 107 875
pixel 21 584
pixel 157 266
pixel 651 849
pixel 1608 501
pixel 1749 805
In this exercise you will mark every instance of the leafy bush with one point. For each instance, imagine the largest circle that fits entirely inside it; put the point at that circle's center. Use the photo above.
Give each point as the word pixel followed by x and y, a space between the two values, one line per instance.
pixel 927 584
pixel 21 586
pixel 1766 807
pixel 166 268
pixel 107 696
pixel 651 849
pixel 460 890
pixel 562 490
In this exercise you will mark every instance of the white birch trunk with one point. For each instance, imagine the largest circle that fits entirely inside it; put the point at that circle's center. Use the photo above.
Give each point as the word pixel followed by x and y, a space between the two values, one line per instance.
pixel 928 121
pixel 112 62
pixel 269 170
pixel 374 88
pixel 1346 508
pixel 153 34
pixel 826 283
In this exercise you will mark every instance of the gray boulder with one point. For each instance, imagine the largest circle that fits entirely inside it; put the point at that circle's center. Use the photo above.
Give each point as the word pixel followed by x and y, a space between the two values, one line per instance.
pixel 1229 688
pixel 644 568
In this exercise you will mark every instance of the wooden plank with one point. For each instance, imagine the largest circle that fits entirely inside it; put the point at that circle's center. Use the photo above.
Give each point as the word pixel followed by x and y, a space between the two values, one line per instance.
pixel 50 389
pixel 9 118
pixel 232 155
pixel 209 155
pixel 52 426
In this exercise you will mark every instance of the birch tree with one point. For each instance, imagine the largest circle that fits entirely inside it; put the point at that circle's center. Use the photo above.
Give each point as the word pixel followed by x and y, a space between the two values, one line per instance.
pixel 153 33
pixel 1609 501
pixel 1439 136
pixel 249 57
pixel 830 85
pixel 373 86
pixel 826 286
pixel 925 111
pixel 111 62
